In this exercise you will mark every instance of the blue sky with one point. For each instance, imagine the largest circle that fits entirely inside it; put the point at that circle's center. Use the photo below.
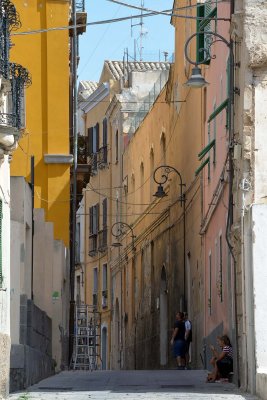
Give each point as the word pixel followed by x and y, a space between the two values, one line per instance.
pixel 108 42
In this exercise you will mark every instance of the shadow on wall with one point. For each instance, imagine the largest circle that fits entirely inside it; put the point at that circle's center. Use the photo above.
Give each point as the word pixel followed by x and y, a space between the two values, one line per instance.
pixel 31 360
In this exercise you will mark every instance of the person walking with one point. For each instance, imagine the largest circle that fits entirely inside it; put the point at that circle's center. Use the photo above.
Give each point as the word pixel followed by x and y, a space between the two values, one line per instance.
pixel 188 339
pixel 178 340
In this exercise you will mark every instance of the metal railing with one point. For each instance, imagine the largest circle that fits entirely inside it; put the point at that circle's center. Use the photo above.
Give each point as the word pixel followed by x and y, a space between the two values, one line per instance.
pixel 102 240
pixel 8 119
pixel 139 114
pixel 93 245
pixel 80 5
pixel 102 156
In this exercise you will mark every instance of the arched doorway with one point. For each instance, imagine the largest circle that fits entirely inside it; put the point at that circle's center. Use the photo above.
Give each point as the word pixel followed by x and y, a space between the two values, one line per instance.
pixel 163 318
pixel 104 347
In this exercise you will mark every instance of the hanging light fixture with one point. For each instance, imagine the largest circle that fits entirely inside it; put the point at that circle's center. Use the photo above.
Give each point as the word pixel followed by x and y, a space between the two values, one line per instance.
pixel 196 80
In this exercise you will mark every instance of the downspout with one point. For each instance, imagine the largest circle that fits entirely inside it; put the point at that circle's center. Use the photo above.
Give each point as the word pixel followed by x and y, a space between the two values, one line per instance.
pixel 32 190
pixel 230 196
pixel 74 170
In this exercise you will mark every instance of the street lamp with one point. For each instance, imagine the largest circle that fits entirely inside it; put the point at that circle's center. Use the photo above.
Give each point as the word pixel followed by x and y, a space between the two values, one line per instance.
pixel 166 170
pixel 196 80
pixel 117 230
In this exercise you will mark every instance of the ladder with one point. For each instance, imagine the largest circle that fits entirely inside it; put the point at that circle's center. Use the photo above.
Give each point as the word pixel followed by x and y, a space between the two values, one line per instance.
pixel 86 340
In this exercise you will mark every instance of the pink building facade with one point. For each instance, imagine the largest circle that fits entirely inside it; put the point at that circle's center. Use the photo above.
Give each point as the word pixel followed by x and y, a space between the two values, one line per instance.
pixel 213 159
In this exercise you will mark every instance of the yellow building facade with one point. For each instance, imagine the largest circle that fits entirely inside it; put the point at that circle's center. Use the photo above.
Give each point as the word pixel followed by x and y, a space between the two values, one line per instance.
pixel 46 136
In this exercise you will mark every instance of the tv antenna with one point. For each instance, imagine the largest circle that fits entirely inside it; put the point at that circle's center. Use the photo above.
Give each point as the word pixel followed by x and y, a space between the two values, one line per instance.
pixel 141 34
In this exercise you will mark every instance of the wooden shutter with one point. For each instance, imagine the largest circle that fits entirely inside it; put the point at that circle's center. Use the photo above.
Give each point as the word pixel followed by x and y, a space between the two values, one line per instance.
pixel 205 11
pixel 97 137
pixel 104 206
pixel 97 217
pixel 105 132
pixel 90 220
pixel 90 141
pixel 1 236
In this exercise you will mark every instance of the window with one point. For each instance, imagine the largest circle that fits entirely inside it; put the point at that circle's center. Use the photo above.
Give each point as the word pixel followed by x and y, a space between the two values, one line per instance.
pixel 104 286
pixel 93 229
pixel 93 144
pixel 94 219
pixel 105 212
pixel 105 277
pixel 220 269
pixel 95 286
pixel 78 289
pixel 78 242
pixel 117 146
pixel 105 142
pixel 1 238
pixel 210 284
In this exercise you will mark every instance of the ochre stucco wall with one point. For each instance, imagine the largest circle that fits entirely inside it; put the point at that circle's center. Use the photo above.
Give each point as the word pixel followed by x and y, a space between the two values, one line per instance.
pixel 47 107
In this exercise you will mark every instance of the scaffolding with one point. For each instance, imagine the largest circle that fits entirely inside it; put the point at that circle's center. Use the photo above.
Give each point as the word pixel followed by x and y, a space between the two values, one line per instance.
pixel 86 341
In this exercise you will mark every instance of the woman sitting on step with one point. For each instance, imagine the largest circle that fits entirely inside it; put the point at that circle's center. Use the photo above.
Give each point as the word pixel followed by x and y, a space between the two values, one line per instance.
pixel 222 362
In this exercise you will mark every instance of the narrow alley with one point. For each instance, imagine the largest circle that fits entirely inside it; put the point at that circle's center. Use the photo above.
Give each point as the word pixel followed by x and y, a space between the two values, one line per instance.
pixel 131 385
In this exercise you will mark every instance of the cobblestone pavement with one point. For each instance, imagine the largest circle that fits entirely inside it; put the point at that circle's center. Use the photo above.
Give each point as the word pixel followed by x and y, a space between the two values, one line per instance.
pixel 131 385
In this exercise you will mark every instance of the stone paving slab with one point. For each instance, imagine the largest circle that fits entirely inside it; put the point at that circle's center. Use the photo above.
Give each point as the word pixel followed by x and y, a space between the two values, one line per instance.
pixel 131 385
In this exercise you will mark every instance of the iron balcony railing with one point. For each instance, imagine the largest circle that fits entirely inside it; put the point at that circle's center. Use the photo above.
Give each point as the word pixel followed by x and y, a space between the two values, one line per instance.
pixel 8 120
pixel 20 78
pixel 82 149
pixel 93 245
pixel 9 20
pixel 80 5
pixel 102 240
pixel 102 156
pixel 93 163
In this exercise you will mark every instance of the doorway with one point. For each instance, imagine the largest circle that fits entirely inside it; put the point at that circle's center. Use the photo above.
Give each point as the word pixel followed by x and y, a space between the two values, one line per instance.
pixel 163 318
pixel 104 347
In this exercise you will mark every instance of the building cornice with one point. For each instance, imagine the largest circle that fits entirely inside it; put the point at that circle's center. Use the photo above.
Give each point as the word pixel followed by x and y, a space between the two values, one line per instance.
pixel 58 158
pixel 96 97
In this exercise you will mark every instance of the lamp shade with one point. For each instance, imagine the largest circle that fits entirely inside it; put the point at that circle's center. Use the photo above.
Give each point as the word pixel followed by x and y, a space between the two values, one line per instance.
pixel 160 192
pixel 196 80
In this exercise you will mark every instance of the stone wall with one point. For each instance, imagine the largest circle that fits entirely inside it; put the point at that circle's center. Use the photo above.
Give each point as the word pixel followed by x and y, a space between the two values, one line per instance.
pixel 31 360
pixel 4 365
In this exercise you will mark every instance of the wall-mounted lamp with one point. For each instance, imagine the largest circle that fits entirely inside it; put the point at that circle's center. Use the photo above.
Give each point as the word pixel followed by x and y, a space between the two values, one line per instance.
pixel 117 230
pixel 166 170
pixel 196 80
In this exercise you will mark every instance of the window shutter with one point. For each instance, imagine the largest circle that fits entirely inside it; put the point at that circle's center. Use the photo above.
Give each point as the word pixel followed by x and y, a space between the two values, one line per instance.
pixel 1 236
pixel 97 217
pixel 105 132
pixel 104 205
pixel 90 141
pixel 91 222
pixel 97 137
pixel 206 12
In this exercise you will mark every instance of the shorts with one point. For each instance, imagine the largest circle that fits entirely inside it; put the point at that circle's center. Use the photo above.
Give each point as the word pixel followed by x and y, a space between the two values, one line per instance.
pixel 225 366
pixel 187 345
pixel 178 348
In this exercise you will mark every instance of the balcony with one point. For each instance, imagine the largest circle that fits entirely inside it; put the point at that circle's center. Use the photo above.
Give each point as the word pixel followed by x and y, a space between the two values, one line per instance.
pixel 102 157
pixel 93 245
pixel 81 17
pixel 102 240
pixel 8 123
pixel 93 163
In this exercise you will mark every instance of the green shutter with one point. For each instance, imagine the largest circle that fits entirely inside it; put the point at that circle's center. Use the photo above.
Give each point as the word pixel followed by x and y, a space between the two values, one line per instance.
pixel 202 166
pixel 207 13
pixel 1 264
pixel 206 150
pixel 218 109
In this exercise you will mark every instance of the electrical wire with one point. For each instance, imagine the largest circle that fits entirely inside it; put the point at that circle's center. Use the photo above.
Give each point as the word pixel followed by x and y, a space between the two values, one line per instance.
pixel 110 21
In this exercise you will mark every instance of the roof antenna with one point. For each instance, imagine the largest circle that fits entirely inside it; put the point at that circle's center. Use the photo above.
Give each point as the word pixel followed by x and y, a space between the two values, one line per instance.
pixel 141 34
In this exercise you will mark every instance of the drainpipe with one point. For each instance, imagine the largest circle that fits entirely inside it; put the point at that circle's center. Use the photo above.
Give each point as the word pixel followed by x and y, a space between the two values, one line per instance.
pixel 230 198
pixel 32 190
pixel 74 171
